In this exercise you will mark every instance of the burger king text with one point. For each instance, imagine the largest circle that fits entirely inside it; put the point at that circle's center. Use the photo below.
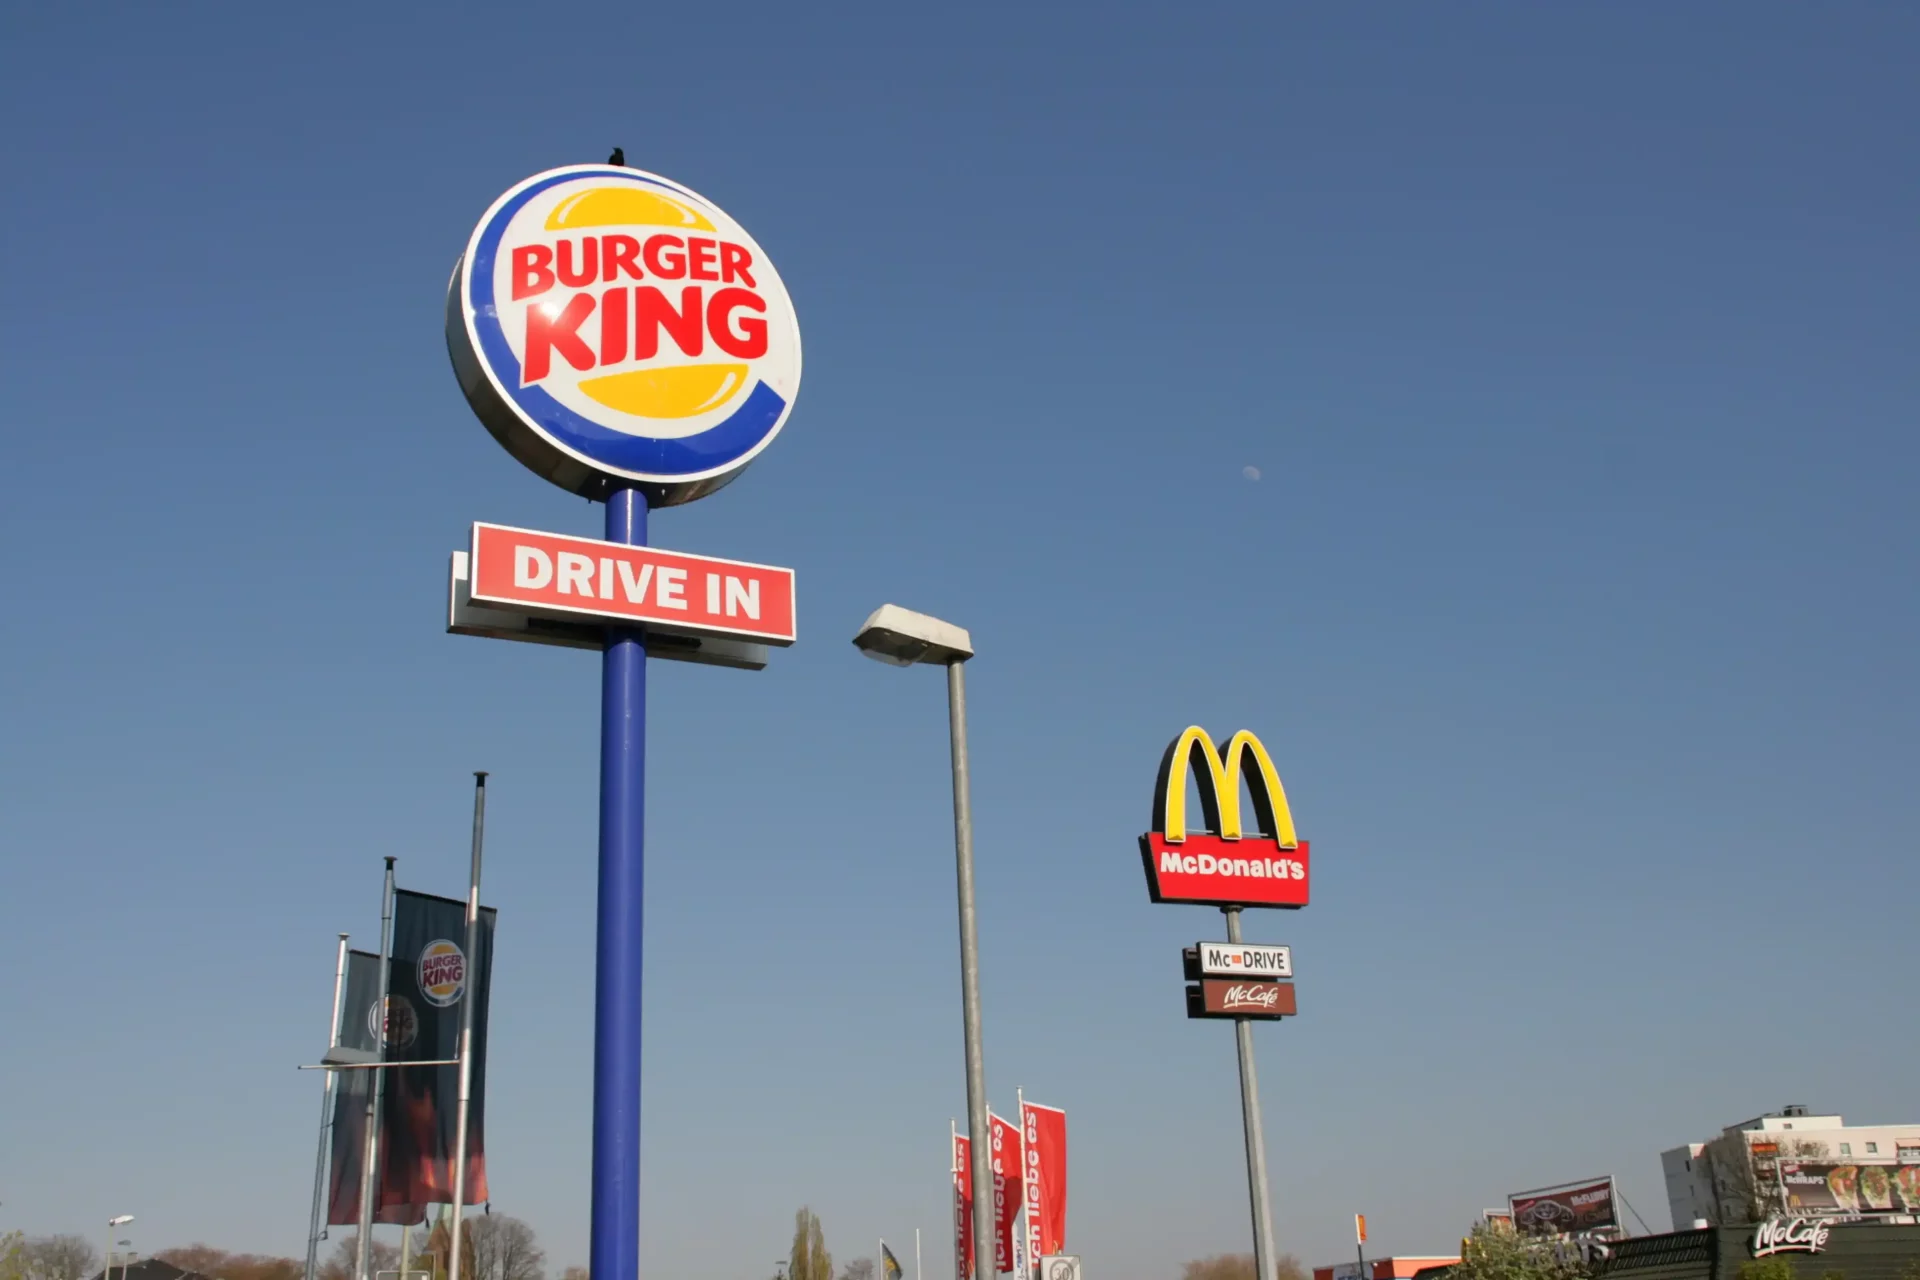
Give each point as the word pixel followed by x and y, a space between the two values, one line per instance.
pixel 633 316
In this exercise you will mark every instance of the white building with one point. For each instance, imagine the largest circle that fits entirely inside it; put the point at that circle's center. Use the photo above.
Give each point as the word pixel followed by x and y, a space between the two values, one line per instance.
pixel 1734 1178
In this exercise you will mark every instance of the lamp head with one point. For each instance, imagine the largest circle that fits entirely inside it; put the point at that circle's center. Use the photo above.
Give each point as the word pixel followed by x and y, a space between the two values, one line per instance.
pixel 901 637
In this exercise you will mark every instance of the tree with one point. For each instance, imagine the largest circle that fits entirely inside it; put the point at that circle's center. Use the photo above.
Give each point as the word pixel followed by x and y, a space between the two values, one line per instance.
pixel 1499 1254
pixel 221 1265
pixel 61 1258
pixel 1239 1266
pixel 858 1269
pixel 345 1259
pixel 808 1259
pixel 503 1249
pixel 13 1255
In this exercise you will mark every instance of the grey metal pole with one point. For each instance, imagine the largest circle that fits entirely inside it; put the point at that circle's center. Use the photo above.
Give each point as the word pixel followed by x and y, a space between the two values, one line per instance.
pixel 326 1116
pixel 980 1136
pixel 1263 1256
pixel 467 1003
pixel 369 1176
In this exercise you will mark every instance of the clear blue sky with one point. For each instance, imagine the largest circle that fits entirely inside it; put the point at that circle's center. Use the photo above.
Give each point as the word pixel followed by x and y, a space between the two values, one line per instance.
pixel 1575 352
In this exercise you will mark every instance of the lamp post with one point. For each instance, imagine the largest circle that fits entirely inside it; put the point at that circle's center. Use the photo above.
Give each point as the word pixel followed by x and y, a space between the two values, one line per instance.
pixel 901 638
pixel 106 1269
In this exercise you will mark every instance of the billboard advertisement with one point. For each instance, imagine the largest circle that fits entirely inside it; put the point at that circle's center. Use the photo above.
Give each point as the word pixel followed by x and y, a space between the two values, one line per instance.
pixel 1565 1210
pixel 1228 864
pixel 432 976
pixel 1809 1188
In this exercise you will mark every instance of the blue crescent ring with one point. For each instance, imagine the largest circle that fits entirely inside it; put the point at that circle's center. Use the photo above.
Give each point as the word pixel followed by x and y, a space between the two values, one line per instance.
pixel 697 455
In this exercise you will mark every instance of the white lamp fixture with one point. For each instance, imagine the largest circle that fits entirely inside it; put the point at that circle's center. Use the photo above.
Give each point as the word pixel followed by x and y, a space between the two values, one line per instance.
pixel 901 637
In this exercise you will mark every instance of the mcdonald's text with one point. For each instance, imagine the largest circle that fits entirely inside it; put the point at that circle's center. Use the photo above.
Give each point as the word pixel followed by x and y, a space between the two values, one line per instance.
pixel 558 575
pixel 1214 871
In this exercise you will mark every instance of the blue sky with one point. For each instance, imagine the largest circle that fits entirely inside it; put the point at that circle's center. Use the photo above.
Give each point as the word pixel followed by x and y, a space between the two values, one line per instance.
pixel 1574 351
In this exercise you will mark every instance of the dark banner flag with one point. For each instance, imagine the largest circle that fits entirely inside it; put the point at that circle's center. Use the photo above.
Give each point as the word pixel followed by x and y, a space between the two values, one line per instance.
pixel 1566 1210
pixel 432 977
pixel 347 1148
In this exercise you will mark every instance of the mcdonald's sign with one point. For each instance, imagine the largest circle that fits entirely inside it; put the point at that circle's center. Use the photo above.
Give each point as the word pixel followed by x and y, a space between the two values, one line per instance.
pixel 1225 865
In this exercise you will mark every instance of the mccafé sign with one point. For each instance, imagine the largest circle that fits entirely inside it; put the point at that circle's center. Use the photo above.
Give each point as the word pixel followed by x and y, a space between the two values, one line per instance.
pixel 1228 863
pixel 1790 1235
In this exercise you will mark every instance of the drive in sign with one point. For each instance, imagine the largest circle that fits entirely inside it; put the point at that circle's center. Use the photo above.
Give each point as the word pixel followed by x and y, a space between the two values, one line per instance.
pixel 552 573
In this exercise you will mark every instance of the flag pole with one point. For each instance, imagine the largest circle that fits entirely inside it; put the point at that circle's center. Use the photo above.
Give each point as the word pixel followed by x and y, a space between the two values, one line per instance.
pixel 916 1253
pixel 369 1176
pixel 326 1116
pixel 467 1003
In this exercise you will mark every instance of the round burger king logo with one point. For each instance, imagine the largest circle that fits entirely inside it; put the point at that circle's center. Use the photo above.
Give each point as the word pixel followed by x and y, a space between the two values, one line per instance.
pixel 443 972
pixel 609 326
pixel 400 1028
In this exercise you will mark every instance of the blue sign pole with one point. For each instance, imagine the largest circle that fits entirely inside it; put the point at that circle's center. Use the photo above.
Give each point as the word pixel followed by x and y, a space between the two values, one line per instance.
pixel 615 1247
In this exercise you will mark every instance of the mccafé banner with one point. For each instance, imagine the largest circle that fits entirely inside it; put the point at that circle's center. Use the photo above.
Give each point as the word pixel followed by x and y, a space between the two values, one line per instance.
pixel 1564 1210
pixel 1007 1172
pixel 1044 1148
pixel 420 1114
pixel 1227 864
pixel 1850 1188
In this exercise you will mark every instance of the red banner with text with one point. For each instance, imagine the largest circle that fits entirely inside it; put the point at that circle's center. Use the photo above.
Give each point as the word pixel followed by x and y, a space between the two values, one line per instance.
pixel 1045 1150
pixel 1006 1188
pixel 962 1207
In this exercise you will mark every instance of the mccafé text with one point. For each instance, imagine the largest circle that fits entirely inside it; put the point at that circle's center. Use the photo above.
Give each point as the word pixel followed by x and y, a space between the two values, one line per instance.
pixel 632 316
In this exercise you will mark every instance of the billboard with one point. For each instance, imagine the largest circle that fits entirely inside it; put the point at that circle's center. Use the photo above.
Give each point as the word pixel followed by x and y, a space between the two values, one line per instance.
pixel 1226 865
pixel 1810 1189
pixel 1565 1210
pixel 432 976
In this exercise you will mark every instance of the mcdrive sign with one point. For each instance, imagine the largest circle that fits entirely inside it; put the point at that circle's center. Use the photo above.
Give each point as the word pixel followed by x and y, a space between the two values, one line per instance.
pixel 1225 865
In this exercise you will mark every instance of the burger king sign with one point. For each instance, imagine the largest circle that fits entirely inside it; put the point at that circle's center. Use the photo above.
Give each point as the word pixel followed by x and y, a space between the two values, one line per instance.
pixel 613 328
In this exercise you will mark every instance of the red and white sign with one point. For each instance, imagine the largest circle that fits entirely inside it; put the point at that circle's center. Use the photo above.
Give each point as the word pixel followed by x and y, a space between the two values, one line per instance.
pixel 1006 1188
pixel 1219 872
pixel 562 576
pixel 962 1206
pixel 1044 1147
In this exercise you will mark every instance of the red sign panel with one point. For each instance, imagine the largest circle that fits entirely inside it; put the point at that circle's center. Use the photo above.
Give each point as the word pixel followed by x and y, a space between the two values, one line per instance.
pixel 552 573
pixel 1208 869
pixel 1235 998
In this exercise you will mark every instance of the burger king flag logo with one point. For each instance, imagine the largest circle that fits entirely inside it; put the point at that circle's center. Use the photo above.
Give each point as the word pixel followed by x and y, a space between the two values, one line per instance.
pixel 609 326
pixel 443 972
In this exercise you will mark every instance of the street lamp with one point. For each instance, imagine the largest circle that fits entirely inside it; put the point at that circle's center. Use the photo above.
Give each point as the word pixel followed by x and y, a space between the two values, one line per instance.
pixel 126 1258
pixel 106 1270
pixel 901 638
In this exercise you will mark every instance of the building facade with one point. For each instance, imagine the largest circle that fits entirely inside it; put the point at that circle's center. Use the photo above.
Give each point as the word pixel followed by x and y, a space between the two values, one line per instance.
pixel 1792 1162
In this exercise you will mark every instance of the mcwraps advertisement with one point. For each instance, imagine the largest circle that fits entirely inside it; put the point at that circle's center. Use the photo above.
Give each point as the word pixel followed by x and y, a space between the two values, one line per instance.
pixel 1565 1210
pixel 1006 1189
pixel 1850 1188
pixel 420 1115
pixel 347 1145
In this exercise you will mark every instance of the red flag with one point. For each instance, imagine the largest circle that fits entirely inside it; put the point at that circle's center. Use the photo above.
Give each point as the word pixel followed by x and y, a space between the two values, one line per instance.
pixel 1006 1188
pixel 1046 1159
pixel 962 1208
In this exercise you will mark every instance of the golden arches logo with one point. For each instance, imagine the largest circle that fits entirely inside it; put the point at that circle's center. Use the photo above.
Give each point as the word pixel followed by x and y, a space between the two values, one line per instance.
pixel 1232 862
pixel 1219 777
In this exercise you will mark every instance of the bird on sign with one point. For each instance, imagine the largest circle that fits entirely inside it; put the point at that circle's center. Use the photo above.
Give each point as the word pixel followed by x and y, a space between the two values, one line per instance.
pixel 619 156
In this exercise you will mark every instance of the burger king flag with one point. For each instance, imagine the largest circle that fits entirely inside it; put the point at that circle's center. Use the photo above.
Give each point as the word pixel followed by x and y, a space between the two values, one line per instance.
pixel 360 1021
pixel 432 978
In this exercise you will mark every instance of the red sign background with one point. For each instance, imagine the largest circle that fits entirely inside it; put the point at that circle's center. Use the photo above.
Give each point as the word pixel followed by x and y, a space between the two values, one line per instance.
pixel 570 577
pixel 1250 872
